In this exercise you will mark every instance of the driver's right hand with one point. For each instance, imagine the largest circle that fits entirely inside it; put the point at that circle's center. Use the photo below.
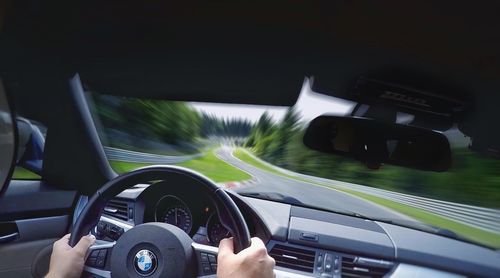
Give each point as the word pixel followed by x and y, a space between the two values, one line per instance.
pixel 250 262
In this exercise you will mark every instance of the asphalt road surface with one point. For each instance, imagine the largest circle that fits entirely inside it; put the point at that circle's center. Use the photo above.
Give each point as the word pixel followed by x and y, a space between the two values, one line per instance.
pixel 305 192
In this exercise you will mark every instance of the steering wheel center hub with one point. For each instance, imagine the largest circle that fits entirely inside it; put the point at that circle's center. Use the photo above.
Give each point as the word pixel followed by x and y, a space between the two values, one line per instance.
pixel 145 262
pixel 153 250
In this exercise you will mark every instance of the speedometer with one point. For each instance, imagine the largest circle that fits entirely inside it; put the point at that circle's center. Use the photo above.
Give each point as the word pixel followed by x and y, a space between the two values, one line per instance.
pixel 172 210
pixel 215 230
pixel 179 217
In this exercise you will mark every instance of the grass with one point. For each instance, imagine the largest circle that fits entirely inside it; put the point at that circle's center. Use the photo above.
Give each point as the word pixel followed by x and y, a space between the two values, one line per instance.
pixel 123 167
pixel 21 173
pixel 249 159
pixel 478 235
pixel 208 165
pixel 216 169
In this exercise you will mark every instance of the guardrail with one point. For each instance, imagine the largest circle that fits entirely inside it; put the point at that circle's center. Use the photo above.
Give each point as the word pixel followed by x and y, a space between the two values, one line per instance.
pixel 133 156
pixel 479 217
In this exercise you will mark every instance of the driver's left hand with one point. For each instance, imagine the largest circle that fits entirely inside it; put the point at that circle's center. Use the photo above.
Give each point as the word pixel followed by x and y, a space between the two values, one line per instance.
pixel 67 261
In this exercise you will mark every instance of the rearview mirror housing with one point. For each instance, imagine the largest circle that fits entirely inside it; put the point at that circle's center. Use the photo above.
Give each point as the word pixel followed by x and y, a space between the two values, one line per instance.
pixel 375 143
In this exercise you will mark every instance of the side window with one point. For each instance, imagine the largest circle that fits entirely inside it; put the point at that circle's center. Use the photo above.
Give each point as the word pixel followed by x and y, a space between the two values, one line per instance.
pixel 31 141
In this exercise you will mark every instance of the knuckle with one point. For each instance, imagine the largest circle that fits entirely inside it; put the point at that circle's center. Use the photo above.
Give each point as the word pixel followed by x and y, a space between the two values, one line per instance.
pixel 271 260
pixel 78 252
pixel 221 256
pixel 261 252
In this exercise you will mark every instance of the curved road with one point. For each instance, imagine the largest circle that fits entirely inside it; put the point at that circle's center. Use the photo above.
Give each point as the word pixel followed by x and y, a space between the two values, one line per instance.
pixel 305 192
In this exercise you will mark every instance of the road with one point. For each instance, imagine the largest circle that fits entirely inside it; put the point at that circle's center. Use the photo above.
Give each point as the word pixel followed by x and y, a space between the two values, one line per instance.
pixel 305 192
pixel 487 219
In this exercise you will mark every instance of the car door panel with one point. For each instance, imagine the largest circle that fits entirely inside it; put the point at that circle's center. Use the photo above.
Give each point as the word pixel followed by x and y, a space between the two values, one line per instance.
pixel 27 199
pixel 36 214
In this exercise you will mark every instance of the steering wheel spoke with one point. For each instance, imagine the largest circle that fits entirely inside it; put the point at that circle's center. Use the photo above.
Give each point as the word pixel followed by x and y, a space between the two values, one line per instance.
pixel 97 257
pixel 206 258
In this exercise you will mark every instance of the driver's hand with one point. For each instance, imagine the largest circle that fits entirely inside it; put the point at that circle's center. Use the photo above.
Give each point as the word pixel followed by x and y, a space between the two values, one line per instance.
pixel 251 262
pixel 67 261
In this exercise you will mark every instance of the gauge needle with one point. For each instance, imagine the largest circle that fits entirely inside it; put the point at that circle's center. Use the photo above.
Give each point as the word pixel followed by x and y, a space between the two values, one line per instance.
pixel 176 221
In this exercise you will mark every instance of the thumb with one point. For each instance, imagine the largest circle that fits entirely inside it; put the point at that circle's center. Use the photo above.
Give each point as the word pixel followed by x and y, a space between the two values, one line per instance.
pixel 83 245
pixel 226 247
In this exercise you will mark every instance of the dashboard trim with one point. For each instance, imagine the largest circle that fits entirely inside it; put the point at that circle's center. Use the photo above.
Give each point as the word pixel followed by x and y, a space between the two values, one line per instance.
pixel 391 239
pixel 408 270
pixel 125 226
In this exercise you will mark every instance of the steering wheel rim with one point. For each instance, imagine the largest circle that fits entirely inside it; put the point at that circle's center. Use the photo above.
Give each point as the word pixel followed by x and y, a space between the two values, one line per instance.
pixel 229 213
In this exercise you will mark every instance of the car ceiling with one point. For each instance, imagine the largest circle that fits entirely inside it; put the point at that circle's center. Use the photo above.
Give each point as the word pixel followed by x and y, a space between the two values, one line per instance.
pixel 258 52
pixel 273 43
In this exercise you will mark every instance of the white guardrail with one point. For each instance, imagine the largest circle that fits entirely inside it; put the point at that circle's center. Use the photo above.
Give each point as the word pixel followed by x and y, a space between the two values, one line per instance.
pixel 132 156
pixel 478 217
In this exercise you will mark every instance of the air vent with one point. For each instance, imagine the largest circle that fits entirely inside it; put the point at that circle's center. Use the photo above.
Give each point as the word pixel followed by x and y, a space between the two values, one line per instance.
pixel 118 209
pixel 294 258
pixel 365 268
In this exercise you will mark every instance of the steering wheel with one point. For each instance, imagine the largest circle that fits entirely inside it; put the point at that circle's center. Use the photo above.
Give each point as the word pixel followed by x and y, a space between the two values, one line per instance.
pixel 157 249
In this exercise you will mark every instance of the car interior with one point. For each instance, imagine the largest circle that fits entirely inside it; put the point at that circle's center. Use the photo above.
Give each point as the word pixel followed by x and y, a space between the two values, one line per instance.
pixel 438 61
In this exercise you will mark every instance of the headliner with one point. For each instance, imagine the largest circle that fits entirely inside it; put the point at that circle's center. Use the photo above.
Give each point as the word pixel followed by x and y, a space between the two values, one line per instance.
pixel 231 51
pixel 237 52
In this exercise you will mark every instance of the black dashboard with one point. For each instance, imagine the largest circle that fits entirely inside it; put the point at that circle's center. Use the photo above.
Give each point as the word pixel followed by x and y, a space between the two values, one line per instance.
pixel 195 214
pixel 305 242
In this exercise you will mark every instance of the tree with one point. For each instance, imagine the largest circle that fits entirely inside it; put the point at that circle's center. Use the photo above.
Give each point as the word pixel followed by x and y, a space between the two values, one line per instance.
pixel 212 125
pixel 286 129
pixel 264 125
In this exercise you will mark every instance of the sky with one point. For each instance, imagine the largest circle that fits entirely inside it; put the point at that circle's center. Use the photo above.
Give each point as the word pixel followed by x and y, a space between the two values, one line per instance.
pixel 309 105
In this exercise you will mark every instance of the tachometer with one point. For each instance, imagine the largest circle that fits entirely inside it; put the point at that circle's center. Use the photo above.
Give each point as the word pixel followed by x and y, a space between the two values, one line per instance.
pixel 173 211
pixel 215 230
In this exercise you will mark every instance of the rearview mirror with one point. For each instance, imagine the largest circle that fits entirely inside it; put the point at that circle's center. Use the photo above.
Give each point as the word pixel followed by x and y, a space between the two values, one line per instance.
pixel 375 143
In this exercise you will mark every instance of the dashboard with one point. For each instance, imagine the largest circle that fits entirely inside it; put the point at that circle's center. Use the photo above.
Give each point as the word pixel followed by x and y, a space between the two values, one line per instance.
pixel 304 242
pixel 195 214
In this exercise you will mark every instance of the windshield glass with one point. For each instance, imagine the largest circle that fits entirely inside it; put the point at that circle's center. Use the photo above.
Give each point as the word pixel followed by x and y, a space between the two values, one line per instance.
pixel 258 151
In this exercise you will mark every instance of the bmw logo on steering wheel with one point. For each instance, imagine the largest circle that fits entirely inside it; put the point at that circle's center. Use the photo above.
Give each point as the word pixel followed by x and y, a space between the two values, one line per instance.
pixel 145 262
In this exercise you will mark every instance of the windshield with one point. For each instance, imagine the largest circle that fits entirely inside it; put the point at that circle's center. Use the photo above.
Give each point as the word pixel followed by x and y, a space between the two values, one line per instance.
pixel 258 151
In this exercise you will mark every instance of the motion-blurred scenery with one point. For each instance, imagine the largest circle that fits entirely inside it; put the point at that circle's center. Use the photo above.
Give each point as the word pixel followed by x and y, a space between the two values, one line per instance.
pixel 262 148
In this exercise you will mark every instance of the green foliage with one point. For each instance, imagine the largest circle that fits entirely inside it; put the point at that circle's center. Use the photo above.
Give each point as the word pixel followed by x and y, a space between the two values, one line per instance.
pixel 212 125
pixel 269 140
pixel 261 134
pixel 170 122
pixel 286 129
pixel 167 121
pixel 264 125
